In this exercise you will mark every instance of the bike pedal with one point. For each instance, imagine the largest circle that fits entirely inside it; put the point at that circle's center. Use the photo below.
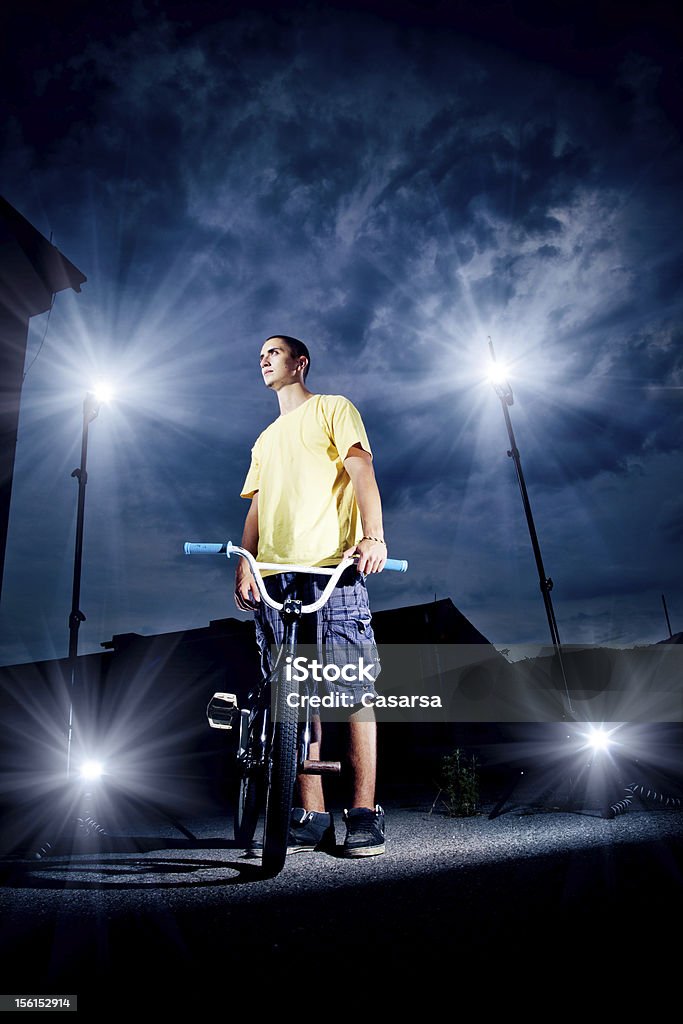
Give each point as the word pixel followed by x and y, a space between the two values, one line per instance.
pixel 321 768
pixel 222 710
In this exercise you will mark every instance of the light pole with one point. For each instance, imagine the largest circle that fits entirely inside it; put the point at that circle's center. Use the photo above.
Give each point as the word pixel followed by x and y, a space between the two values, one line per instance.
pixel 75 825
pixel 91 407
pixel 502 388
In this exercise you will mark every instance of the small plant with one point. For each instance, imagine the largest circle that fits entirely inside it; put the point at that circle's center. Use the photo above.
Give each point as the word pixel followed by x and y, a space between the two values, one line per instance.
pixel 459 784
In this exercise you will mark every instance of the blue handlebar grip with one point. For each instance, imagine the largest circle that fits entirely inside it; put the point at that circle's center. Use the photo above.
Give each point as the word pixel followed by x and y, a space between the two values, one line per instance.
pixel 204 549
pixel 397 564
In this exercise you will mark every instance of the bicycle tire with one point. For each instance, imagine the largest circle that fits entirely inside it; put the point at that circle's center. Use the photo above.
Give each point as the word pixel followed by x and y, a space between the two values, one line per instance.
pixel 281 779
pixel 249 806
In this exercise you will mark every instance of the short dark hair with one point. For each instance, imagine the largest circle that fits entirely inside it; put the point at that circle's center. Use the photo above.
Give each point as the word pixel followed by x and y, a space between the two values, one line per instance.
pixel 296 349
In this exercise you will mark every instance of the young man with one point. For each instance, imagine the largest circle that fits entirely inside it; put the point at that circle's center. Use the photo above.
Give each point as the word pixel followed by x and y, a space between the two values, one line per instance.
pixel 315 501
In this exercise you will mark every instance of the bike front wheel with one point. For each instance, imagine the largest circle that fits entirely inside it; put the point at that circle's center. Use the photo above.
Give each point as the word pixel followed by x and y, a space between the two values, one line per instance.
pixel 249 805
pixel 281 779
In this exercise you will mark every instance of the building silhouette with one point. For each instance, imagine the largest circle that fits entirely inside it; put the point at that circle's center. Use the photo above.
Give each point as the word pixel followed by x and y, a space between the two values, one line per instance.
pixel 32 270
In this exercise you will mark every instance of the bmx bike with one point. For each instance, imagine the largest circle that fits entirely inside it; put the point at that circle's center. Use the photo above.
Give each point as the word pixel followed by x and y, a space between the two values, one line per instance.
pixel 273 742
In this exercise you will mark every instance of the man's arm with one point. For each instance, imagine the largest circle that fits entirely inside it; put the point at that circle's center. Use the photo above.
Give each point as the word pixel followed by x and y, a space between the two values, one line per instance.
pixel 246 589
pixel 373 553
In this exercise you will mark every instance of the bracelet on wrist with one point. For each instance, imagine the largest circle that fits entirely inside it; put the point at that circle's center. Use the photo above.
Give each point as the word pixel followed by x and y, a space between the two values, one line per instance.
pixel 379 540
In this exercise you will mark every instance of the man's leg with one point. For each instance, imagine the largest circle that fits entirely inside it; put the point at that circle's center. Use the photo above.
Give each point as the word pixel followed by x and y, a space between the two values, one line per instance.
pixel 363 756
pixel 311 786
pixel 364 819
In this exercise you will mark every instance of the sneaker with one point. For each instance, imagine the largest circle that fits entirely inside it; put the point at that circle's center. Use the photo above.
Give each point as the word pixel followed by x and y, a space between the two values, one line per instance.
pixel 364 832
pixel 310 830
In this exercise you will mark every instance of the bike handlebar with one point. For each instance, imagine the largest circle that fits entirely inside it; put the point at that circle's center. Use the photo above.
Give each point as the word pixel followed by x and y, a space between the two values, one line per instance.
pixel 393 564
pixel 193 548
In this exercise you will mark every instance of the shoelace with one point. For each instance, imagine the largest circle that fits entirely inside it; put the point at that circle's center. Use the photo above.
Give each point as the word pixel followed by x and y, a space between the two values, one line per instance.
pixel 306 820
pixel 365 825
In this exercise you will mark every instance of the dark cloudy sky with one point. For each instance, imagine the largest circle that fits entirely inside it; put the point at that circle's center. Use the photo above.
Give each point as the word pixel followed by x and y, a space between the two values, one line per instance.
pixel 393 185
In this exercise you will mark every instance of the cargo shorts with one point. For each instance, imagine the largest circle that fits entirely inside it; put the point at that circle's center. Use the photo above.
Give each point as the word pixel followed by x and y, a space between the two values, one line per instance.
pixel 340 633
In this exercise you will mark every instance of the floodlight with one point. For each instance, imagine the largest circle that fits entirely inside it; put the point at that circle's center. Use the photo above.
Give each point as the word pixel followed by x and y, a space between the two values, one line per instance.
pixel 92 770
pixel 598 739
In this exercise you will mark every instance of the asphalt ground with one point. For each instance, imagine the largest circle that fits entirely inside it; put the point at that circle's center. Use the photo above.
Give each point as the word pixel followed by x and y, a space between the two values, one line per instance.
pixel 149 919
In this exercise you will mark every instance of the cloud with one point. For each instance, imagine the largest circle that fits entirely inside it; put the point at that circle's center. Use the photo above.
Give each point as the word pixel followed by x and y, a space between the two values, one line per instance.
pixel 394 195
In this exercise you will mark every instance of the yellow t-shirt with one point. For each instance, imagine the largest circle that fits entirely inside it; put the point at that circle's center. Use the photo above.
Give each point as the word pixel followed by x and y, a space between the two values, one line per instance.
pixel 307 509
